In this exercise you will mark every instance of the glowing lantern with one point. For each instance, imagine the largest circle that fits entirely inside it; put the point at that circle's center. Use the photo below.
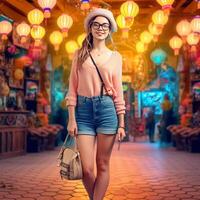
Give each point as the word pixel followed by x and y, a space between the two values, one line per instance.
pixel 47 6
pixel 18 74
pixel 35 17
pixel 129 10
pixel 159 18
pixel 154 31
pixel 85 5
pixel 166 5
pixel 23 30
pixel 121 22
pixel 5 29
pixel 175 43
pixel 37 34
pixel 56 39
pixel 146 37
pixel 195 24
pixel 158 56
pixel 140 47
pixel 183 28
pixel 81 38
pixel 71 46
pixel 193 40
pixel 65 22
pixel 198 4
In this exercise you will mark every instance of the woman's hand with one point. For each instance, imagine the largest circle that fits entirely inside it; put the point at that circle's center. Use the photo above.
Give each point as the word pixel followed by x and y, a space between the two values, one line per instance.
pixel 120 134
pixel 72 128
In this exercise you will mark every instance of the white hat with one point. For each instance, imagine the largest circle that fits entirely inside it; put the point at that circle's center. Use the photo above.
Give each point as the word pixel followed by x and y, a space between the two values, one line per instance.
pixel 101 12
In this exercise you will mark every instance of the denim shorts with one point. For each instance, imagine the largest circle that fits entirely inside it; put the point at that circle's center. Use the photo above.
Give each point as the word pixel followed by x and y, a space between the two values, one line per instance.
pixel 96 115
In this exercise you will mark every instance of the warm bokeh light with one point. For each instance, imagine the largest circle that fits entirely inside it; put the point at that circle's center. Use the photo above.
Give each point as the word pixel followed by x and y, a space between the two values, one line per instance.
pixel 195 24
pixel 81 38
pixel 23 30
pixel 56 39
pixel 47 5
pixel 146 37
pixel 183 28
pixel 35 17
pixel 176 43
pixel 37 34
pixel 71 47
pixel 159 18
pixel 193 40
pixel 166 5
pixel 5 29
pixel 140 47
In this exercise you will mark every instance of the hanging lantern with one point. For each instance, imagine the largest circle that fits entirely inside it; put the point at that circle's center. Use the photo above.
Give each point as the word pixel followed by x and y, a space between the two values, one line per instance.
pixel 81 38
pixel 195 24
pixel 124 26
pixel 158 56
pixel 56 39
pixel 146 37
pixel 64 23
pixel 23 30
pixel 166 5
pixel 35 17
pixel 140 47
pixel 129 10
pixel 5 29
pixel 18 74
pixel 193 40
pixel 47 6
pixel 198 4
pixel 175 43
pixel 71 46
pixel 159 18
pixel 37 34
pixel 155 31
pixel 183 28
pixel 85 5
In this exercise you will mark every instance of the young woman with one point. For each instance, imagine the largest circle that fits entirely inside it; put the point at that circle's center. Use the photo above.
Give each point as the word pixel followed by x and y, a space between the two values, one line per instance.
pixel 94 117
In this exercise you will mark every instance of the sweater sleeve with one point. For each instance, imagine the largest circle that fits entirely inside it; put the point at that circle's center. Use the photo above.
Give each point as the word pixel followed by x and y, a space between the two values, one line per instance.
pixel 117 83
pixel 71 96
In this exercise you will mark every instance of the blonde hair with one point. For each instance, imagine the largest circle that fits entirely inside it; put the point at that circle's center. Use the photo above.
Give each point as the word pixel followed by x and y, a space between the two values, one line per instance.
pixel 87 44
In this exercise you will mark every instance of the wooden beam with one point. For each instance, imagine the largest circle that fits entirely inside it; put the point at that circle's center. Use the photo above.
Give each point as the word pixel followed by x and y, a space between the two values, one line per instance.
pixel 12 14
pixel 21 5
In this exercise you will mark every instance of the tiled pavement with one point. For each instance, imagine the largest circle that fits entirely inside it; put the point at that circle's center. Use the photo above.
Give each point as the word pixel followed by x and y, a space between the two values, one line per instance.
pixel 138 171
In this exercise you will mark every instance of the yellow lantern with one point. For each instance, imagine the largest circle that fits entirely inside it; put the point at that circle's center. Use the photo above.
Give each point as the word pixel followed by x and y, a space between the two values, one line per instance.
pixel 56 39
pixel 5 29
pixel 129 10
pixel 37 34
pixel 35 17
pixel 155 31
pixel 18 74
pixel 65 22
pixel 23 30
pixel 85 5
pixel 121 22
pixel 195 24
pixel 146 37
pixel 193 40
pixel 183 28
pixel 47 6
pixel 159 18
pixel 166 5
pixel 81 38
pixel 71 46
pixel 175 43
pixel 140 47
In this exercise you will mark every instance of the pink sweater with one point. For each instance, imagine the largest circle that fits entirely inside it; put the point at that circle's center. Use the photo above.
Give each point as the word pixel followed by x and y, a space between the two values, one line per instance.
pixel 85 81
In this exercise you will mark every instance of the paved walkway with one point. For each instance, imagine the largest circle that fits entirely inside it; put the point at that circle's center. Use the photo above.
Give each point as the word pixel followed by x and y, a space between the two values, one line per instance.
pixel 139 171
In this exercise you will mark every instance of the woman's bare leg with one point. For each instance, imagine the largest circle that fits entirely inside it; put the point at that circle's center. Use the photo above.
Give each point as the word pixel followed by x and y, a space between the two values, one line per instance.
pixel 104 149
pixel 86 144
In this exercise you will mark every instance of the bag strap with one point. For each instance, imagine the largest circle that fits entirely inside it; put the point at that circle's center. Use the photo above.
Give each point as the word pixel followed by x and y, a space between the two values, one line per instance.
pixel 102 83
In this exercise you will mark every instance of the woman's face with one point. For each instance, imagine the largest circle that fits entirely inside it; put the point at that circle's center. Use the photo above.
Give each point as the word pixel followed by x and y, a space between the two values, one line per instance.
pixel 100 28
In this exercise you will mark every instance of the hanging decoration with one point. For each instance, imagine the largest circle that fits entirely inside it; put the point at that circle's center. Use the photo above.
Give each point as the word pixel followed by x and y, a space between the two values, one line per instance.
pixel 129 10
pixel 195 24
pixel 140 47
pixel 37 34
pixel 183 28
pixel 124 26
pixel 175 43
pixel 47 6
pixel 71 46
pixel 193 40
pixel 155 32
pixel 23 30
pixel 166 5
pixel 85 5
pixel 81 38
pixel 35 17
pixel 65 22
pixel 158 56
pixel 146 37
pixel 56 39
pixel 5 29
pixel 159 18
